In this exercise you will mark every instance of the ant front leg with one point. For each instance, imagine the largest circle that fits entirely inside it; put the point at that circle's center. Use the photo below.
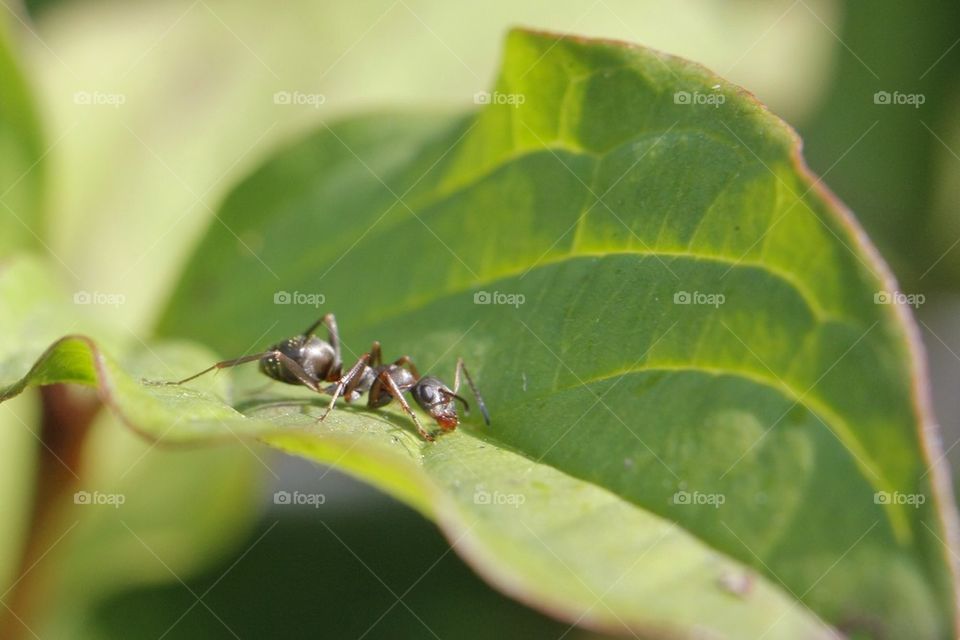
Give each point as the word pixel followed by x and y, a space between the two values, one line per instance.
pixel 476 392
pixel 394 390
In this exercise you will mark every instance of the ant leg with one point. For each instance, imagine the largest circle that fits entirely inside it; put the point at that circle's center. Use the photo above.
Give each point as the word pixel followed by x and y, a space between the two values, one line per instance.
pixel 375 360
pixel 224 364
pixel 396 393
pixel 333 337
pixel 331 324
pixel 456 386
pixel 354 372
pixel 294 367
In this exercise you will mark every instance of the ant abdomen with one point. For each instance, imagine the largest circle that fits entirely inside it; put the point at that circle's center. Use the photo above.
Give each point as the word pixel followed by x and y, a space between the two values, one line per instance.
pixel 315 356
pixel 319 360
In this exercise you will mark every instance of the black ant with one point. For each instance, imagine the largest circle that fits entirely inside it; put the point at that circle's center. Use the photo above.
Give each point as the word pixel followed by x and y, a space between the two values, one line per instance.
pixel 385 382
pixel 308 360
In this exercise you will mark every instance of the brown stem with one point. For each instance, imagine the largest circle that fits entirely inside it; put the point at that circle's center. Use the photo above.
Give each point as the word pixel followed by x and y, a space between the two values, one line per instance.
pixel 67 413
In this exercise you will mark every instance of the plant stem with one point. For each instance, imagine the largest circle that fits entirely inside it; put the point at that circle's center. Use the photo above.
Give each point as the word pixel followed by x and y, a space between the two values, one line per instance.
pixel 67 413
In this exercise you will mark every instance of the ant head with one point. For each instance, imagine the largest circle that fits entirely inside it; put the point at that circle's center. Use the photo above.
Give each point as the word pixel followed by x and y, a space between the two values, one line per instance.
pixel 438 400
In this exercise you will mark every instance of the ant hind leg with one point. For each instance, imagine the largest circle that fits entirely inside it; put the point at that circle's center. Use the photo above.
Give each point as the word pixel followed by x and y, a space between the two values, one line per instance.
pixel 287 362
pixel 223 364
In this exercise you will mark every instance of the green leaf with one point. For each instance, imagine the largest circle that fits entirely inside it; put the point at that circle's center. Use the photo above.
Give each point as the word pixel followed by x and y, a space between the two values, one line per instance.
pixel 681 467
pixel 21 155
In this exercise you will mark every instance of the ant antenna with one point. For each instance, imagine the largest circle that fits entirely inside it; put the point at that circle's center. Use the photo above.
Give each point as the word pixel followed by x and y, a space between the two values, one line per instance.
pixel 473 387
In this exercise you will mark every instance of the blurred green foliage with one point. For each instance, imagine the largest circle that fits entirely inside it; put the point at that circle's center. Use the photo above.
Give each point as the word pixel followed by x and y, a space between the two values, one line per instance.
pixel 888 163
pixel 316 582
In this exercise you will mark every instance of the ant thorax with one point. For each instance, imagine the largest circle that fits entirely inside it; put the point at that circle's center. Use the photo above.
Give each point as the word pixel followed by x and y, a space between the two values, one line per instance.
pixel 400 376
pixel 403 378
pixel 362 384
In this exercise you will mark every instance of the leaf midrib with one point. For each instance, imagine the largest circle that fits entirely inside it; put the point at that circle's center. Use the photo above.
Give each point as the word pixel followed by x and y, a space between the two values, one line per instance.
pixel 818 313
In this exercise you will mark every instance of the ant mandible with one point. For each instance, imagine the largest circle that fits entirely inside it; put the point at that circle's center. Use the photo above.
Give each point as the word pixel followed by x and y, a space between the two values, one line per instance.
pixel 385 382
pixel 309 360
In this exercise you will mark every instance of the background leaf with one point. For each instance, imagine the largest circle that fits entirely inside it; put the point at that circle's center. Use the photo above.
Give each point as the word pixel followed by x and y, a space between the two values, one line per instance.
pixel 21 156
pixel 898 202
pixel 163 162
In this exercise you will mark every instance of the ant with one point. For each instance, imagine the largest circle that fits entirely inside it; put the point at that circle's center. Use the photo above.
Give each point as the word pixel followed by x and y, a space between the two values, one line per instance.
pixel 309 360
pixel 385 382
